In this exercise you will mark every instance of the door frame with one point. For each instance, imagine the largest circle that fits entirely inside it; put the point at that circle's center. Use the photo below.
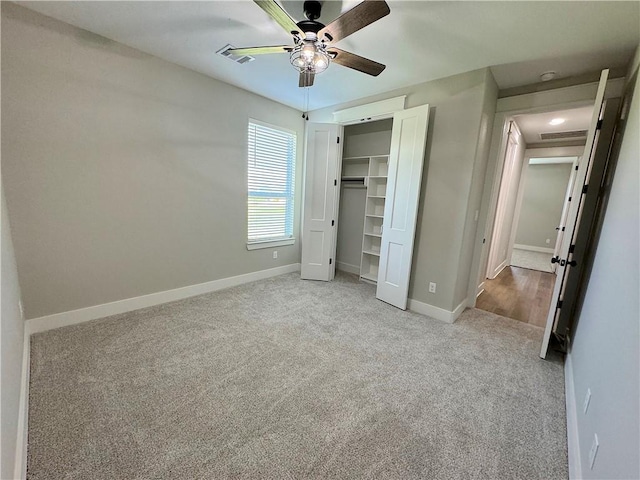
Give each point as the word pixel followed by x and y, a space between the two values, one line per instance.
pixel 546 101
pixel 491 191
pixel 336 213
pixel 511 141
pixel 576 208
pixel 341 125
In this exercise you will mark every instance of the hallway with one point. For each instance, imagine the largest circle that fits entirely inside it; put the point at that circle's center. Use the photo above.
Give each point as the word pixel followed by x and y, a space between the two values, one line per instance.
pixel 520 294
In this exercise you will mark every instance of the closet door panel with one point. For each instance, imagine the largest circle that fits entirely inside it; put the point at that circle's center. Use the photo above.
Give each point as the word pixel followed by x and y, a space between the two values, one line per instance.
pixel 318 243
pixel 408 140
pixel 392 270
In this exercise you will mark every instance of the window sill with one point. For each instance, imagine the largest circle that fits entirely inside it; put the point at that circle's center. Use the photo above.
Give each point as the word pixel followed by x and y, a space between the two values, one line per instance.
pixel 270 243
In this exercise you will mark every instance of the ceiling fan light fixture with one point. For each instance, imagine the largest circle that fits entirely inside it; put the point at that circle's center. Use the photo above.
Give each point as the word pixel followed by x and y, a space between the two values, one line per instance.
pixel 310 57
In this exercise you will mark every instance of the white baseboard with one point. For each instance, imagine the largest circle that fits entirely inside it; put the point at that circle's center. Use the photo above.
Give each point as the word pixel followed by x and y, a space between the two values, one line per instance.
pixel 20 464
pixel 347 267
pixel 49 322
pixel 573 445
pixel 497 271
pixel 437 312
pixel 531 248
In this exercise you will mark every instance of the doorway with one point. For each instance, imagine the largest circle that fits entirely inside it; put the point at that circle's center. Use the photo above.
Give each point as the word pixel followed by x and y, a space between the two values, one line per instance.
pixel 391 202
pixel 541 216
pixel 363 182
pixel 541 157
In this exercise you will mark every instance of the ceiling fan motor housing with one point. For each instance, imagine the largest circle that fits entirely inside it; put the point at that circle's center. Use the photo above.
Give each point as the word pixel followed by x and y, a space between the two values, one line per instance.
pixel 312 9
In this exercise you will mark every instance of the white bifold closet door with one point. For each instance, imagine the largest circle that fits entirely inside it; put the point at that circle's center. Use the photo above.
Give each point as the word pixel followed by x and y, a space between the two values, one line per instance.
pixel 320 201
pixel 408 140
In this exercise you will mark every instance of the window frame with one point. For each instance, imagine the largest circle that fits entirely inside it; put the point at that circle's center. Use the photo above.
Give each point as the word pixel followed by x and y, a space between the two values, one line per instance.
pixel 280 241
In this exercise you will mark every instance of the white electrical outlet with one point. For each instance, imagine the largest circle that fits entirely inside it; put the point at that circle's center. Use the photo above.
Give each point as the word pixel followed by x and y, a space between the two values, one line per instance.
pixel 587 399
pixel 593 451
pixel 432 287
pixel 275 254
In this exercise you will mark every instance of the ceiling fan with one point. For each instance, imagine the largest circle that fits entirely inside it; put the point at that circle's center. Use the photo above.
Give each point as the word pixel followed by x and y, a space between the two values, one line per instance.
pixel 312 50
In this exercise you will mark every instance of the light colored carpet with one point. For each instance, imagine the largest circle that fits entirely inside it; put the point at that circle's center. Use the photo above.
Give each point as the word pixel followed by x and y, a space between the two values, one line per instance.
pixel 285 378
pixel 532 260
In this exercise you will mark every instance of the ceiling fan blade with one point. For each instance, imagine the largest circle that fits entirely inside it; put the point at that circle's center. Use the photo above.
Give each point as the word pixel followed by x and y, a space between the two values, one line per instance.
pixel 351 60
pixel 353 20
pixel 261 50
pixel 276 12
pixel 306 79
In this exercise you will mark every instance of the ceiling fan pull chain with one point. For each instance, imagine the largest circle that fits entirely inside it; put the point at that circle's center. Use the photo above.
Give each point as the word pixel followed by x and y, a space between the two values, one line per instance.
pixel 305 115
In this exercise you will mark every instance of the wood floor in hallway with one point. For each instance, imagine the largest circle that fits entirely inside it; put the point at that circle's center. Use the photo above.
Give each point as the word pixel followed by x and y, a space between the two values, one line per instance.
pixel 519 293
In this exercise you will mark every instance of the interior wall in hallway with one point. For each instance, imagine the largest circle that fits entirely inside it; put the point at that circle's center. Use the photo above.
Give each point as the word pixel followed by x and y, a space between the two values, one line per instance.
pixel 545 188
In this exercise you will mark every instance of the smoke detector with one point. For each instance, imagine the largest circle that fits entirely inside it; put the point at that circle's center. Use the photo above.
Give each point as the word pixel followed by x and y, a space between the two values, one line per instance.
pixel 546 76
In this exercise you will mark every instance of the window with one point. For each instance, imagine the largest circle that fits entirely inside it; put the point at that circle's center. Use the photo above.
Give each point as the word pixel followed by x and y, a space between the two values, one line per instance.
pixel 270 182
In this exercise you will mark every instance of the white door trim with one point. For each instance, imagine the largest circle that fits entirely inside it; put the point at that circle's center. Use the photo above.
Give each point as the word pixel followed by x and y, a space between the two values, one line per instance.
pixel 513 139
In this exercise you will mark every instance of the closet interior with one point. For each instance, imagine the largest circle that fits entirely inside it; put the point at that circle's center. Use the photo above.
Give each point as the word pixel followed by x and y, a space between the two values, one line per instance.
pixel 363 187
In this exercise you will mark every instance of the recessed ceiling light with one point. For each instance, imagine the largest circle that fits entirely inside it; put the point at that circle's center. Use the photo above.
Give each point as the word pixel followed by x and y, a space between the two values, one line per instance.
pixel 556 121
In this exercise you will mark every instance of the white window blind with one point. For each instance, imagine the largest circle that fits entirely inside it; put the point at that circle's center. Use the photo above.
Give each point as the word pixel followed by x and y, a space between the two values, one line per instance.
pixel 270 182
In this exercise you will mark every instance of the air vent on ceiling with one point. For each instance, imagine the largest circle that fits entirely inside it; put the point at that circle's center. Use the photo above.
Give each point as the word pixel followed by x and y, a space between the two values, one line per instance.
pixel 563 135
pixel 224 51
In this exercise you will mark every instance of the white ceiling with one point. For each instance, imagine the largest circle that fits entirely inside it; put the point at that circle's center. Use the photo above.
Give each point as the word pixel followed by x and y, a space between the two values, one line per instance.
pixel 418 40
pixel 532 125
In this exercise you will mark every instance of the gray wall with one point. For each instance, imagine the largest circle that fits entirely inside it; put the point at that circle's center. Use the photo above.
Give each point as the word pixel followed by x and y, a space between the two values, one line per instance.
pixel 350 226
pixel 366 139
pixel 455 150
pixel 470 239
pixel 605 349
pixel 545 188
pixel 12 335
pixel 125 175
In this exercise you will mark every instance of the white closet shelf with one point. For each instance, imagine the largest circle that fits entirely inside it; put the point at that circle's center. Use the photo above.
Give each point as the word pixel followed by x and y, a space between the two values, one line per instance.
pixel 369 277
pixel 373 171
